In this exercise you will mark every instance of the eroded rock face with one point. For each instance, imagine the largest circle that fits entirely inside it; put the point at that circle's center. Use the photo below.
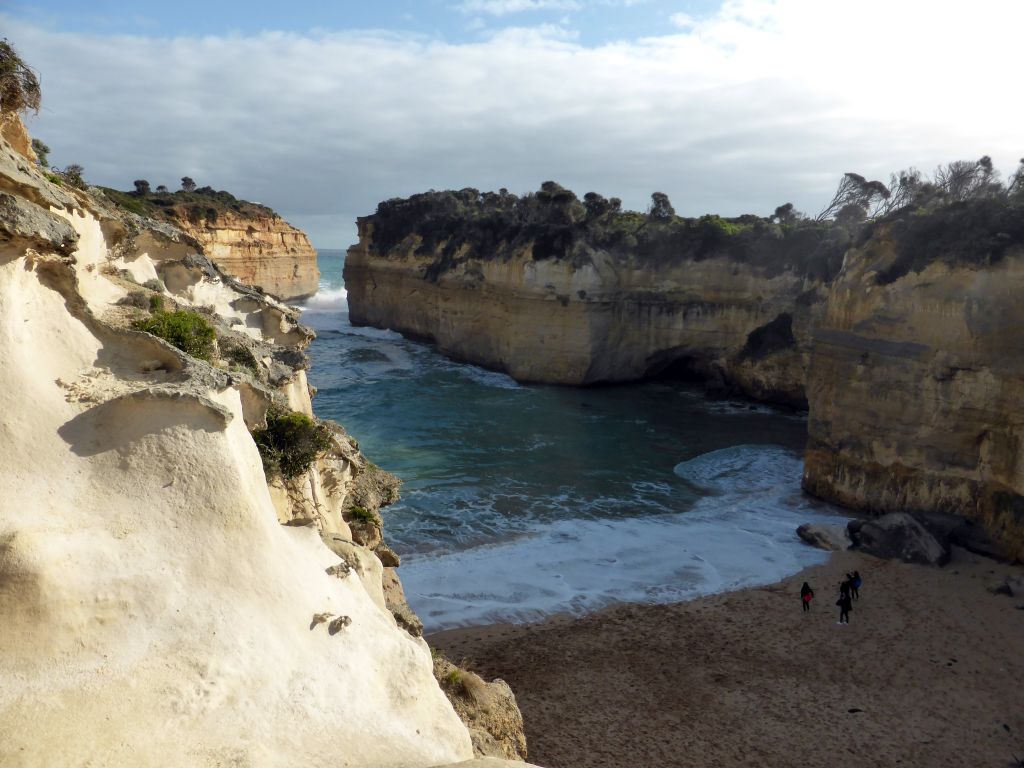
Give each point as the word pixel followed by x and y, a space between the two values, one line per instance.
pixel 155 610
pixel 261 250
pixel 535 287
pixel 916 387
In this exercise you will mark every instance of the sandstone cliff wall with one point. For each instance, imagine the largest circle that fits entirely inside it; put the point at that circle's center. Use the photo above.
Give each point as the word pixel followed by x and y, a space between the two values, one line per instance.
pixel 594 311
pixel 163 602
pixel 916 389
pixel 262 250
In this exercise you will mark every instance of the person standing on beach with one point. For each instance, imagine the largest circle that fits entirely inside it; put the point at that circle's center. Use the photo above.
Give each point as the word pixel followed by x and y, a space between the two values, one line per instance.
pixel 806 595
pixel 844 587
pixel 855 583
pixel 845 604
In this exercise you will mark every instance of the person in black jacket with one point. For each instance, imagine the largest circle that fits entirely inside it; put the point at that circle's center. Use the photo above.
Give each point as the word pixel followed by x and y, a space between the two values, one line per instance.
pixel 806 595
pixel 845 604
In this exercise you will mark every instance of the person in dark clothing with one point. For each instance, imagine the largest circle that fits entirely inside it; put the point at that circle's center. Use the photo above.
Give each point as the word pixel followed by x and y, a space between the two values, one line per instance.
pixel 844 588
pixel 806 595
pixel 855 583
pixel 845 604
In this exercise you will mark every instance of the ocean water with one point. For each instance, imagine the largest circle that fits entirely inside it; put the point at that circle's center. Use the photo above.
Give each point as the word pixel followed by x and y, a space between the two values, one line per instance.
pixel 523 501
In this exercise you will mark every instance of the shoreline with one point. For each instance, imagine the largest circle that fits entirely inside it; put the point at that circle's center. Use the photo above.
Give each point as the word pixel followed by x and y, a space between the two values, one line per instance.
pixel 927 673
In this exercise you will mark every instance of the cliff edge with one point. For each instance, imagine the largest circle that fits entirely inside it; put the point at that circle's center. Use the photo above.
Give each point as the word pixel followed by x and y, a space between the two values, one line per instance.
pixel 552 289
pixel 916 383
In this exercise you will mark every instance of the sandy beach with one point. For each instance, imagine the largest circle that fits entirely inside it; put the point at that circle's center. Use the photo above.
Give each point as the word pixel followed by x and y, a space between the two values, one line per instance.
pixel 929 673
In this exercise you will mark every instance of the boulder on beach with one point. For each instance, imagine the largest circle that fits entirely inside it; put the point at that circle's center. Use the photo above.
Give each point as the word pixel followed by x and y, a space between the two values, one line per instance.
pixel 834 538
pixel 899 536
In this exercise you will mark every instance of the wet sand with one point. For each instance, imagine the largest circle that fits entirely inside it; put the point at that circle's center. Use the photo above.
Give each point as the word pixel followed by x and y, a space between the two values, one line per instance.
pixel 929 673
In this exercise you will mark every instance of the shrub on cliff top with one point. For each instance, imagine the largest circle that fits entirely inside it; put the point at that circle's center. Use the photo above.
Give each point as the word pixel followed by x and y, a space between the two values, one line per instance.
pixel 19 86
pixel 290 443
pixel 188 331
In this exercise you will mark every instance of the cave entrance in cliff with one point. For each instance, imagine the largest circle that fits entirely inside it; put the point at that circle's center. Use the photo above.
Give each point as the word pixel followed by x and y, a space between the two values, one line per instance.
pixel 676 365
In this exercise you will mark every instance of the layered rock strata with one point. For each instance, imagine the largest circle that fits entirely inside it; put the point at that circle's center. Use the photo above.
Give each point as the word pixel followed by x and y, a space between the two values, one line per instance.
pixel 260 249
pixel 163 601
pixel 548 291
pixel 916 384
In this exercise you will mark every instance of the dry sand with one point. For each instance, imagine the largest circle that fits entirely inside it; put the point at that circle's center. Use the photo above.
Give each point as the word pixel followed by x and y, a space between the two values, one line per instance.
pixel 929 672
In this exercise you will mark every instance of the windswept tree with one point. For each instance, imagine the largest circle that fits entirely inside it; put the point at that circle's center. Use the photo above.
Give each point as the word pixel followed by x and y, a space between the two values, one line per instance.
pixel 854 189
pixel 187 185
pixel 966 180
pixel 661 209
pixel 162 189
pixel 19 85
pixel 141 187
pixel 1015 187
pixel 42 153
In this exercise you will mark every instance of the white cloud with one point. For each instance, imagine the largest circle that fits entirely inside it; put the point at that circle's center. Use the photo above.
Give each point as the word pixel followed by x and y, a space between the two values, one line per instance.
pixel 763 103
pixel 505 7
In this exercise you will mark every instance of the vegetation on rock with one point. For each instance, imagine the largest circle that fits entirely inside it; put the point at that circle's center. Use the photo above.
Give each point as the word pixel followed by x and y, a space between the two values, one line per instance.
pixel 290 443
pixel 188 331
pixel 19 85
pixel 197 206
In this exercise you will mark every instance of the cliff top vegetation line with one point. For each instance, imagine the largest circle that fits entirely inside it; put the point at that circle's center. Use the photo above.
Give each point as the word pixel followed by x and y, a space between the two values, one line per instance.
pixel 556 224
pixel 190 203
pixel 964 212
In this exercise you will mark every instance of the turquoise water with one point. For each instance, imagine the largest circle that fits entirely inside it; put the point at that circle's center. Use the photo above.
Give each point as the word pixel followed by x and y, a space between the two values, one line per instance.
pixel 521 501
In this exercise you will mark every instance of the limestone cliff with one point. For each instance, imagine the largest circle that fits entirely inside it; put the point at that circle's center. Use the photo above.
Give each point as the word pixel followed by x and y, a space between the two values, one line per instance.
pixel 263 250
pixel 155 609
pixel 551 291
pixel 916 384
pixel 247 240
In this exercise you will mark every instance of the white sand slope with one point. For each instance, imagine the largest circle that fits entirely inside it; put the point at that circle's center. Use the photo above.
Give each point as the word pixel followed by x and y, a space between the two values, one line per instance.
pixel 153 612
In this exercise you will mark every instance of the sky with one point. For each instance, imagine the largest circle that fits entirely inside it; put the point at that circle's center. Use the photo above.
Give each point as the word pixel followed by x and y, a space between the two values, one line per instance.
pixel 323 109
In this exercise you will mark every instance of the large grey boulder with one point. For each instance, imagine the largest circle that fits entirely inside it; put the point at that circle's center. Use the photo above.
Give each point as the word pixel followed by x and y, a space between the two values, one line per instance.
pixel 834 538
pixel 898 536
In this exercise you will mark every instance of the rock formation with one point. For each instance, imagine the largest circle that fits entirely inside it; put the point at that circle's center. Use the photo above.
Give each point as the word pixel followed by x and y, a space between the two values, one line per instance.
pixel 549 291
pixel 916 385
pixel 262 250
pixel 162 602
pixel 907 355
pixel 247 240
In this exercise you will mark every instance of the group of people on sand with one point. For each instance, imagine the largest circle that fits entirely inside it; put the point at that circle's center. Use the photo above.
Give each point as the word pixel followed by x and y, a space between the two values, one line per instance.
pixel 849 590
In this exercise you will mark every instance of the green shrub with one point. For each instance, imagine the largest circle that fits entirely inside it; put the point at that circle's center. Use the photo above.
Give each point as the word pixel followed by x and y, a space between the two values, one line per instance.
pixel 290 443
pixel 239 355
pixel 156 303
pixel 188 331
pixel 362 515
pixel 454 678
pixel 154 284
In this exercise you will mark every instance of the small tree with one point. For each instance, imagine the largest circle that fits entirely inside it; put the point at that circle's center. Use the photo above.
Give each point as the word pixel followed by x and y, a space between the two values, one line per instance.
pixel 595 204
pixel 161 189
pixel 42 153
pixel 786 214
pixel 187 185
pixel 73 175
pixel 661 209
pixel 19 86
pixel 141 187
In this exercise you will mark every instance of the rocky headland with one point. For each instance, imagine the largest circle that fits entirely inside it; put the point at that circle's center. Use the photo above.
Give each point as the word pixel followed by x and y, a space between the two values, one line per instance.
pixel 192 570
pixel 898 331
pixel 246 240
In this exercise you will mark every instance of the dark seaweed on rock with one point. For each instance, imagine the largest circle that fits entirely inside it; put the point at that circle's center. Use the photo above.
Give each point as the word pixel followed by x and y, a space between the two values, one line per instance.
pixel 554 224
